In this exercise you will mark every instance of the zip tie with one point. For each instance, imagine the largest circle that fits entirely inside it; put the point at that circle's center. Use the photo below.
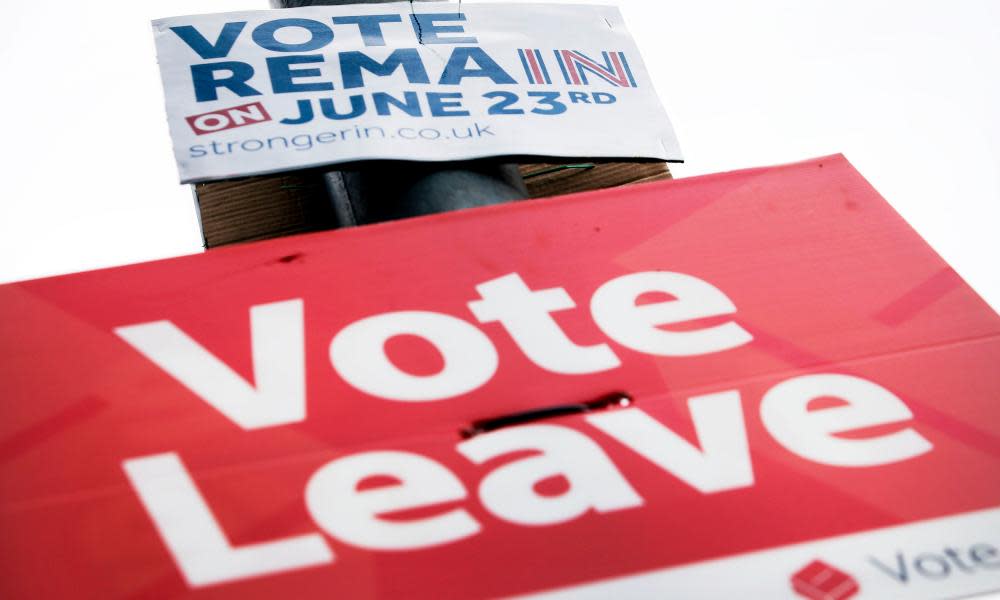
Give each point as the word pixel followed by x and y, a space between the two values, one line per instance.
pixel 559 168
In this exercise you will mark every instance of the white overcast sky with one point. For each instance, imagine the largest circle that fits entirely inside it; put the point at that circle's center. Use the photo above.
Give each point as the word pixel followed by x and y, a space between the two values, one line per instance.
pixel 908 90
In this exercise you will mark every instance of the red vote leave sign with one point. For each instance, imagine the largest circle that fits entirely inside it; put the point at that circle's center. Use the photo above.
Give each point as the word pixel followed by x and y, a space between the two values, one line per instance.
pixel 759 383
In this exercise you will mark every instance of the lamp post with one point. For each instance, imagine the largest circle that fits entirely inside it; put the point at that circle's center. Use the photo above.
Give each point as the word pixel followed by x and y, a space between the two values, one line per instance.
pixel 376 191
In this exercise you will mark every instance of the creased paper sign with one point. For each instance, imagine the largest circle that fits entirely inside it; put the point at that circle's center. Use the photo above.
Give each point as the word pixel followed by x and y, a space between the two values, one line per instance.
pixel 250 93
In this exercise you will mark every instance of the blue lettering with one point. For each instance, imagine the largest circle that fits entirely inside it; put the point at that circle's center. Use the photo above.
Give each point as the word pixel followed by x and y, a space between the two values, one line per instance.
pixel 271 144
pixel 205 49
pixel 351 64
pixel 206 85
pixel 252 145
pixel 319 35
pixel 604 98
pixel 358 108
pixel 442 107
pixel 283 76
pixel 455 71
pixel 428 32
pixel 302 141
pixel 410 106
pixel 370 26
pixel 305 114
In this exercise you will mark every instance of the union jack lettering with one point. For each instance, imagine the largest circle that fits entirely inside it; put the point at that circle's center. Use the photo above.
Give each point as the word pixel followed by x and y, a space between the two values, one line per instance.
pixel 575 66
pixel 534 66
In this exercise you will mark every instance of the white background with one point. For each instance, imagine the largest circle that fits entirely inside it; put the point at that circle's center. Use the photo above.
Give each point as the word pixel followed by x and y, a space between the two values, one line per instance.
pixel 908 90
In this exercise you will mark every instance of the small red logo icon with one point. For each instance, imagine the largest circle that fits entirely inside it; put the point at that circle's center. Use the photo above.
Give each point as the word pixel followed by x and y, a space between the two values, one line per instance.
pixel 228 118
pixel 820 581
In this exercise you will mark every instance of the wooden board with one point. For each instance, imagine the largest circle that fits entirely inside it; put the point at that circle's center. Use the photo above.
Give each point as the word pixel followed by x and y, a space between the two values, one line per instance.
pixel 256 208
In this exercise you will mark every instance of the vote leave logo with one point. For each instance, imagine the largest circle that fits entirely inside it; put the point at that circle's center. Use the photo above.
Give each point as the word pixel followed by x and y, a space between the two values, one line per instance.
pixel 820 581
pixel 228 118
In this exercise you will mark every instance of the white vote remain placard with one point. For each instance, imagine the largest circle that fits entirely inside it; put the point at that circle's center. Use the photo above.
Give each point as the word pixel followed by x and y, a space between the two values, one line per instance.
pixel 257 92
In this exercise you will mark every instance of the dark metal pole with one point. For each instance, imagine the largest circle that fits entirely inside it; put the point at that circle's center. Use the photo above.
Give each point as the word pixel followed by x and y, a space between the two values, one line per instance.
pixel 386 190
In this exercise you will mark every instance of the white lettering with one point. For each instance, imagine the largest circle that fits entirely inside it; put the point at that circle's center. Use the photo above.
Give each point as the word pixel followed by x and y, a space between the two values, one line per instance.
pixel 525 315
pixel 211 122
pixel 509 491
pixel 242 116
pixel 278 347
pixel 348 514
pixel 812 433
pixel 723 463
pixel 194 538
pixel 639 327
pixel 358 354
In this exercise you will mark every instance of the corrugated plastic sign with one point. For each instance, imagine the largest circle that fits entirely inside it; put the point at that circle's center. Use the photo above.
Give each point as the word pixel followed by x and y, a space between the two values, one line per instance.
pixel 758 384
